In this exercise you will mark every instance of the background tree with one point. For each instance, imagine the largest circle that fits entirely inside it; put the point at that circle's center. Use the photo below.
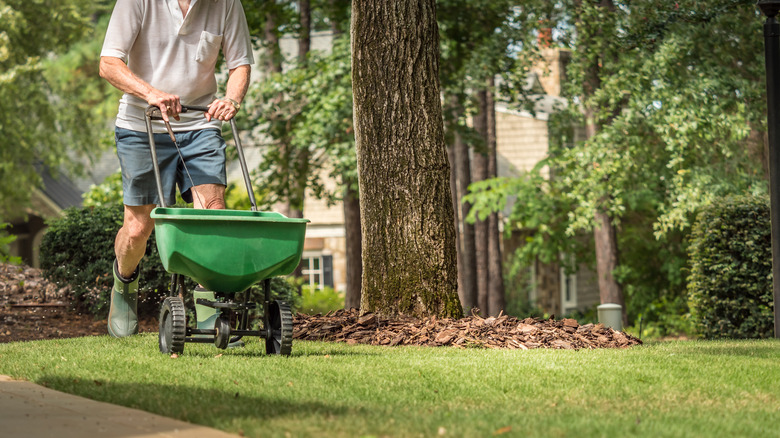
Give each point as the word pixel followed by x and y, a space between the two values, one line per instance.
pixel 678 107
pixel 38 122
pixel 409 260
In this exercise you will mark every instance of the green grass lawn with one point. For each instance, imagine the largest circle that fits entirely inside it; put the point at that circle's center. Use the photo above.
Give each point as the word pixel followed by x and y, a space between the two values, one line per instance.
pixel 691 388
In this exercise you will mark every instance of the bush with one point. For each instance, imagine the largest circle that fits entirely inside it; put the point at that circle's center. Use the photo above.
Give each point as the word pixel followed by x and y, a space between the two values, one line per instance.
pixel 320 300
pixel 78 251
pixel 5 246
pixel 730 285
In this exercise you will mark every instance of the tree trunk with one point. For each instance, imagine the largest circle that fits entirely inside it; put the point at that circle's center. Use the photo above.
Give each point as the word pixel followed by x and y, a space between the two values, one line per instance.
pixel 605 237
pixel 273 56
pixel 304 39
pixel 456 218
pixel 354 263
pixel 468 271
pixel 604 232
pixel 479 171
pixel 409 259
pixel 496 297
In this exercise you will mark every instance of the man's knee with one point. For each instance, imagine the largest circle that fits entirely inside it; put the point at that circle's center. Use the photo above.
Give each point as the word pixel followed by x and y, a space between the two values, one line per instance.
pixel 138 225
pixel 209 196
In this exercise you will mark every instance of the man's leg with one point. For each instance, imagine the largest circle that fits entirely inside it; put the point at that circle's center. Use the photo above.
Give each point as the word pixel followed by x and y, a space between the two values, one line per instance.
pixel 207 196
pixel 129 246
pixel 130 243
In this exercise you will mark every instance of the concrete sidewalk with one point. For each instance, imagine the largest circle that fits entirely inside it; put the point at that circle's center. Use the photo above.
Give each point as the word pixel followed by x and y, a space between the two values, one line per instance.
pixel 28 410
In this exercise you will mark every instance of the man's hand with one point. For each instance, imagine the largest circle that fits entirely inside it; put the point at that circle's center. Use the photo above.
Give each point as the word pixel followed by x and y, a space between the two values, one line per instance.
pixel 221 109
pixel 169 104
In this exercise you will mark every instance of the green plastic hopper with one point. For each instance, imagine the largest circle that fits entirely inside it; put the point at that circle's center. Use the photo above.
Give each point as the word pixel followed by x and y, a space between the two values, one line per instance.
pixel 228 250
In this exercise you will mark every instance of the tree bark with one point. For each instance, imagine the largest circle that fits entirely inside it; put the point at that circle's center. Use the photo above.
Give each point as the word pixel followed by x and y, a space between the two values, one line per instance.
pixel 304 39
pixel 607 257
pixel 604 232
pixel 273 56
pixel 409 259
pixel 354 263
pixel 496 297
pixel 479 171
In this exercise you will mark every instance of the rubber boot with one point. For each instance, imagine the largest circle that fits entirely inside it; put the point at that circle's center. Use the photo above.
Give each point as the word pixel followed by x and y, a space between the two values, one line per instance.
pixel 123 312
pixel 205 316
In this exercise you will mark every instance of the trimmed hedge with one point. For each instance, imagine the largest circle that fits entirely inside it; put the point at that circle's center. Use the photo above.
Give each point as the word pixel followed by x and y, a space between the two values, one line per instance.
pixel 730 285
pixel 78 251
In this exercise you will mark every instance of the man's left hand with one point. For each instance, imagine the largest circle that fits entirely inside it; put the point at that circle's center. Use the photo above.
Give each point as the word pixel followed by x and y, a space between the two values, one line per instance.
pixel 221 109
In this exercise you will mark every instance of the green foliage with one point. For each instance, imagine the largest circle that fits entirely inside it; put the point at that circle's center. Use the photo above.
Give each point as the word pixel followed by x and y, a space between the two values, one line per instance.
pixel 78 251
pixel 37 114
pixel 307 112
pixel 5 251
pixel 731 269
pixel 105 194
pixel 321 301
pixel 674 94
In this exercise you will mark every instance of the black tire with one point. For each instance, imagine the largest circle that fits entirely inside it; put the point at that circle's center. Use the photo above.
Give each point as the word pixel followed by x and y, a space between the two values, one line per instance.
pixel 279 333
pixel 173 326
pixel 222 338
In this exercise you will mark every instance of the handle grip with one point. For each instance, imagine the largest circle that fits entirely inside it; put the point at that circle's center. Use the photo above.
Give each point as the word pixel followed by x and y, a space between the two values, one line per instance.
pixel 154 113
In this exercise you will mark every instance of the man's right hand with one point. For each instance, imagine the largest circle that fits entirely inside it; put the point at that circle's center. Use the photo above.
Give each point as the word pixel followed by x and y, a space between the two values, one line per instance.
pixel 169 104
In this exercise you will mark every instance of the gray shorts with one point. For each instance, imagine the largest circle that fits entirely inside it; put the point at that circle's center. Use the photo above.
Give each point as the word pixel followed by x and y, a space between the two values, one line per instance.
pixel 204 156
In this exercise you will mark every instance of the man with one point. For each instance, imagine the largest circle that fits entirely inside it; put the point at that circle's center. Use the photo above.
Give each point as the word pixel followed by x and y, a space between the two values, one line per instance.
pixel 164 53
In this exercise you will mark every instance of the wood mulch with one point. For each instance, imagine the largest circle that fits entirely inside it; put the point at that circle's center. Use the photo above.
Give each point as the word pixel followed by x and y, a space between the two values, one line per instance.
pixel 31 308
pixel 503 332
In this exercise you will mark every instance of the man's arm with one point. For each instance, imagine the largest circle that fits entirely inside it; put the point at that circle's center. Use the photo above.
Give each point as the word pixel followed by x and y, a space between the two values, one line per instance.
pixel 237 84
pixel 116 72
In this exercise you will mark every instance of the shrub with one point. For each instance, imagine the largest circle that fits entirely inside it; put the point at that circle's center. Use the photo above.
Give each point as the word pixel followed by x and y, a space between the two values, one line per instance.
pixel 320 300
pixel 730 285
pixel 5 246
pixel 78 251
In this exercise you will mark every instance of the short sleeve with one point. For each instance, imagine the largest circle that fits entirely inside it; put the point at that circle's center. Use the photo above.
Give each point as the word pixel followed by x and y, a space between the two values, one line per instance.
pixel 236 44
pixel 123 28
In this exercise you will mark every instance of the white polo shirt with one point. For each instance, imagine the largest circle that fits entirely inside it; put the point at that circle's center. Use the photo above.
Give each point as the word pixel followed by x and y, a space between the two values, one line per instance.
pixel 176 55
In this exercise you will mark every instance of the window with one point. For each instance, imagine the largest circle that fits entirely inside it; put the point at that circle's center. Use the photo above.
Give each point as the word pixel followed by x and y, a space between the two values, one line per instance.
pixel 317 270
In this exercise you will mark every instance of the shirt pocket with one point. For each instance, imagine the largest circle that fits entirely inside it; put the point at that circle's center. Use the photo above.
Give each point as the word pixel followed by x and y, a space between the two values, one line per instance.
pixel 208 48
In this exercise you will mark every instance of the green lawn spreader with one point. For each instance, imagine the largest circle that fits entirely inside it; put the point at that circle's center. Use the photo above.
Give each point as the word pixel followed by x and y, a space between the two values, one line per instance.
pixel 225 251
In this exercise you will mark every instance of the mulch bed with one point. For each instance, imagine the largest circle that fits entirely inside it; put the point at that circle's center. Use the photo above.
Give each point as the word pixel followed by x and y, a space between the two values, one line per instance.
pixel 32 308
pixel 503 332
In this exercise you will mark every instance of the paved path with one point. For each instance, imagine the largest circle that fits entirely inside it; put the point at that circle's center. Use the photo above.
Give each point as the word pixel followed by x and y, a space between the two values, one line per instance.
pixel 28 410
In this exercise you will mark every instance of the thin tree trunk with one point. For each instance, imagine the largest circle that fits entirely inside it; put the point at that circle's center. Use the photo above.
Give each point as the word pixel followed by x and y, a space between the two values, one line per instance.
pixel 409 257
pixel 354 263
pixel 479 171
pixel 273 55
pixel 468 269
pixel 456 219
pixel 301 156
pixel 496 297
pixel 604 232
pixel 304 39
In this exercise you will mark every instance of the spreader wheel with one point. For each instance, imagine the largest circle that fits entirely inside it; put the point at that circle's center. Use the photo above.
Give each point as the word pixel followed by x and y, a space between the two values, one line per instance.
pixel 279 333
pixel 173 323
pixel 222 338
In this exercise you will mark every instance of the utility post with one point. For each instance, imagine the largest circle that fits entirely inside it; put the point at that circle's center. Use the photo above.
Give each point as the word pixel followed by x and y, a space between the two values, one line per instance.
pixel 770 8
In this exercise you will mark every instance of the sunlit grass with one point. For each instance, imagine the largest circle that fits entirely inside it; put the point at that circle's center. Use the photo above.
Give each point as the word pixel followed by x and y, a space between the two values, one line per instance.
pixel 692 388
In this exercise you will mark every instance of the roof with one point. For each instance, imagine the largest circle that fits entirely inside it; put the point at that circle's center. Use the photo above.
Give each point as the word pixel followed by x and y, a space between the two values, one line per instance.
pixel 60 189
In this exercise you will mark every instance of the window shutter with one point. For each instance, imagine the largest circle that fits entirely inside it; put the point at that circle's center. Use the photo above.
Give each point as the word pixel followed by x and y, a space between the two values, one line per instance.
pixel 327 270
